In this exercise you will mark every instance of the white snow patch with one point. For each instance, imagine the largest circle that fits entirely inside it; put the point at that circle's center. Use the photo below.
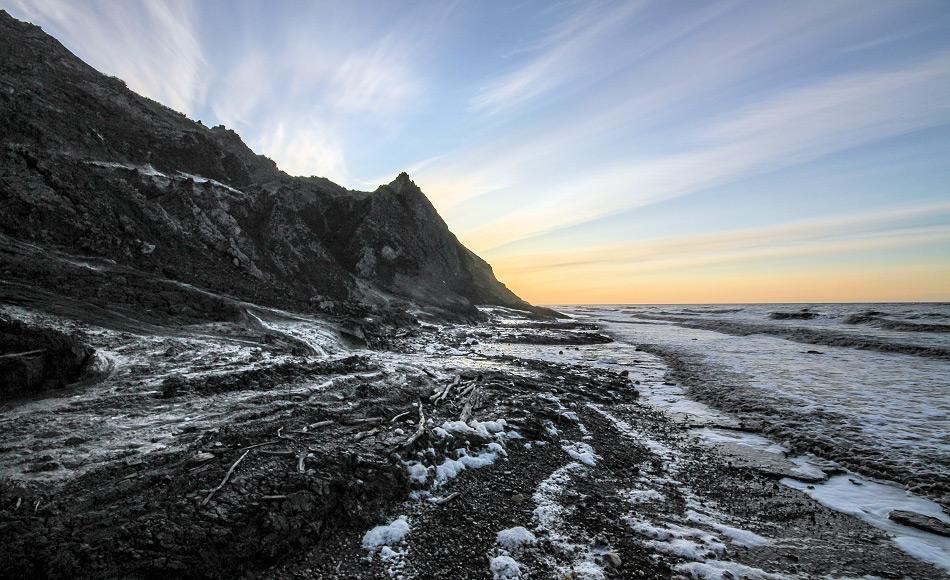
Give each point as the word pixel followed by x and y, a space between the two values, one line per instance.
pixel 678 540
pixel 418 473
pixel 643 495
pixel 450 468
pixel 391 533
pixel 504 568
pixel 545 496
pixel 200 179
pixel 580 452
pixel 627 431
pixel 513 539
pixel 738 536
pixel 485 429
pixel 587 570
pixel 720 570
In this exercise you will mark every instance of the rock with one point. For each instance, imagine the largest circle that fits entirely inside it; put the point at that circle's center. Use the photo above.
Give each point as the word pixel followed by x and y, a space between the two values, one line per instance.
pixel 171 385
pixel 612 559
pixel 921 522
pixel 34 358
pixel 202 456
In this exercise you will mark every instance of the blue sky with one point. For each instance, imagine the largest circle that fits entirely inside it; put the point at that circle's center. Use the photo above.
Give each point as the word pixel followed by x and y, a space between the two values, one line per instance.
pixel 591 151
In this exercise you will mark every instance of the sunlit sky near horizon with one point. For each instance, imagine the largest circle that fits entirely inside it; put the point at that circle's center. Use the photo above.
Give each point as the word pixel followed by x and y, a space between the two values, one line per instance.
pixel 613 152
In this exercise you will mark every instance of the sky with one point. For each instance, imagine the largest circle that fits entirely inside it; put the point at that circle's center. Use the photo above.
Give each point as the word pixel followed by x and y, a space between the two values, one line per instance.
pixel 592 152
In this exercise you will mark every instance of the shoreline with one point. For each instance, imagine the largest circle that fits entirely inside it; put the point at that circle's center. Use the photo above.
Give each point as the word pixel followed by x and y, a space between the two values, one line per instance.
pixel 605 484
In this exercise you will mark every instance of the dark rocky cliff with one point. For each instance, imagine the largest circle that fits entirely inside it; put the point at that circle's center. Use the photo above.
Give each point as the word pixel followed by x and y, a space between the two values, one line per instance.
pixel 90 168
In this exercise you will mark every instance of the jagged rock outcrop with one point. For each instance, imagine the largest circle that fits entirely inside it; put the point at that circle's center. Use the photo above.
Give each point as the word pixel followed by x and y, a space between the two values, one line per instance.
pixel 90 168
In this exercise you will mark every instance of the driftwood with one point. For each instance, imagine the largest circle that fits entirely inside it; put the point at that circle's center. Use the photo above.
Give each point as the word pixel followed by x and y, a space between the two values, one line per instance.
pixel 273 497
pixel 227 476
pixel 301 459
pixel 470 402
pixel 365 434
pixel 399 416
pixel 319 424
pixel 446 499
pixel 364 421
pixel 420 429
pixel 256 445
pixel 441 395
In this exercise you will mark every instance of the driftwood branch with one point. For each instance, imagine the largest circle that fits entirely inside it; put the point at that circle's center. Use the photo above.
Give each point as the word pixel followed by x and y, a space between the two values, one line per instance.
pixel 365 421
pixel 399 416
pixel 227 476
pixel 301 459
pixel 256 445
pixel 441 395
pixel 446 499
pixel 319 424
pixel 365 434
pixel 420 428
pixel 466 413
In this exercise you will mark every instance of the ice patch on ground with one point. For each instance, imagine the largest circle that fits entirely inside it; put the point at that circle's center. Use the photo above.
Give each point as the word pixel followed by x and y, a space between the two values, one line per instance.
pixel 678 540
pixel 391 533
pixel 627 431
pixel 513 539
pixel 547 509
pixel 643 495
pixel 381 540
pixel 418 473
pixel 721 570
pixel 484 429
pixel 504 568
pixel 450 468
pixel 580 452
pixel 872 502
pixel 716 436
pixel 738 536
pixel 547 515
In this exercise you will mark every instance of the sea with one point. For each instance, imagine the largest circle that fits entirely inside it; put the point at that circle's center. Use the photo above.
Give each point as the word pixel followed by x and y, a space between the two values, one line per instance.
pixel 861 391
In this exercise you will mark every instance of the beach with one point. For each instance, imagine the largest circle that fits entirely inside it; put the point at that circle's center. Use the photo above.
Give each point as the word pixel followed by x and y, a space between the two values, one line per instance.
pixel 510 448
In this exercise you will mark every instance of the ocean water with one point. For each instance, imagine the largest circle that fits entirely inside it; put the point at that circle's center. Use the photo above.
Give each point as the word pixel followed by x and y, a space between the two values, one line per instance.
pixel 865 385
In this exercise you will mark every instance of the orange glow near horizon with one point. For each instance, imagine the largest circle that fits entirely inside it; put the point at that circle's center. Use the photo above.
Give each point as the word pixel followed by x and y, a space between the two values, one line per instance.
pixel 910 283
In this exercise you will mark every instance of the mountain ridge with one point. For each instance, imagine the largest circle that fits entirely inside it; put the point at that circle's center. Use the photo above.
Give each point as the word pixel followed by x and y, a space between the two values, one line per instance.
pixel 92 168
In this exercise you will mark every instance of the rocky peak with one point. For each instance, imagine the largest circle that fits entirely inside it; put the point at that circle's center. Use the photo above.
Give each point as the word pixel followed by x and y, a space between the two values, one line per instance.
pixel 89 167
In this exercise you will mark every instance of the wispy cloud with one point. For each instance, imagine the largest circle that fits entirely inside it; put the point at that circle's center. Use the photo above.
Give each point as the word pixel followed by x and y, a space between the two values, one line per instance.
pixel 792 127
pixel 307 150
pixel 153 46
pixel 558 55
pixel 896 227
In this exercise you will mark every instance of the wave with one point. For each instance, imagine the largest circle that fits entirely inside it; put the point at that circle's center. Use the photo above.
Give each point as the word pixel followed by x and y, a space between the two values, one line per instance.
pixel 712 310
pixel 806 336
pixel 803 314
pixel 825 433
pixel 873 319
